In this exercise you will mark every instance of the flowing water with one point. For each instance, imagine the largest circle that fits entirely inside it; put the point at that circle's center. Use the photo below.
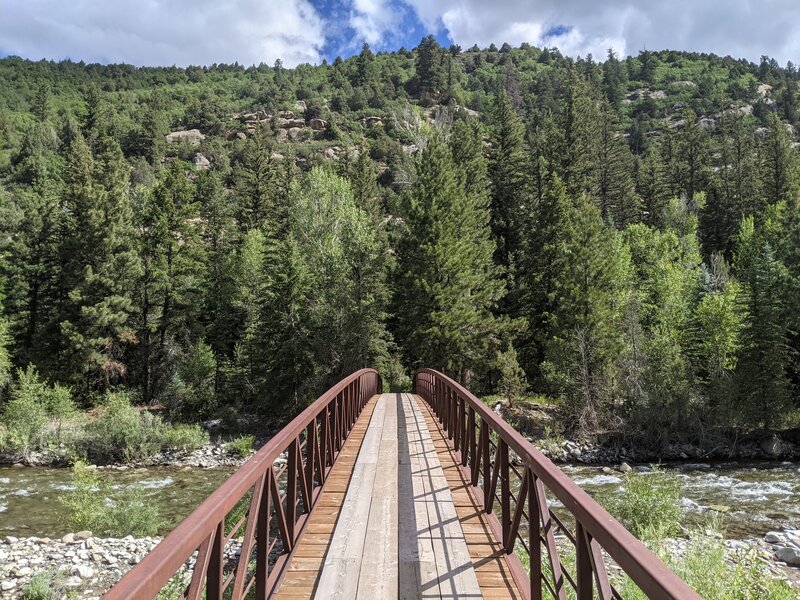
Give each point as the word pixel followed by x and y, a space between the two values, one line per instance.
pixel 751 497
pixel 759 496
pixel 29 495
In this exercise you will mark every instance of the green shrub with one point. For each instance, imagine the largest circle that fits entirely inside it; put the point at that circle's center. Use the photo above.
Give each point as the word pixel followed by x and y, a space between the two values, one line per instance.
pixel 512 382
pixel 241 446
pixel 649 505
pixel 120 432
pixel 192 389
pixel 705 568
pixel 40 587
pixel 25 413
pixel 185 437
pixel 93 505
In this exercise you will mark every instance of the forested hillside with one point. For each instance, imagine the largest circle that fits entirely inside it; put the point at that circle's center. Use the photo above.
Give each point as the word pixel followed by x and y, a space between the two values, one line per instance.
pixel 225 239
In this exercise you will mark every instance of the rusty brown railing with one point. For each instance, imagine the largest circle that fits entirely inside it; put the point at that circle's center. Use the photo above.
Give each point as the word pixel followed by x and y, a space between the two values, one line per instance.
pixel 497 460
pixel 271 502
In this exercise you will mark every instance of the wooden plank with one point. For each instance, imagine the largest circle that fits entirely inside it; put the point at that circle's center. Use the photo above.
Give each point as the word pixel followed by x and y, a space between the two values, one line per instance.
pixel 379 566
pixel 486 553
pixel 340 573
pixel 456 575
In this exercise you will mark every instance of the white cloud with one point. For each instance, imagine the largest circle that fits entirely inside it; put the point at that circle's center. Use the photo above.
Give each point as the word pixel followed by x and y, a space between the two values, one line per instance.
pixel 163 32
pixel 742 28
pixel 374 20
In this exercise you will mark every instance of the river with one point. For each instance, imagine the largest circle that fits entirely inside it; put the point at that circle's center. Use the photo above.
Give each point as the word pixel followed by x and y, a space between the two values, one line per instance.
pixel 760 496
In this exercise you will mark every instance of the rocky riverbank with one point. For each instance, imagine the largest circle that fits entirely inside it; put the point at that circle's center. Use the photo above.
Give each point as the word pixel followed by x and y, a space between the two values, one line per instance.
pixel 206 457
pixel 86 566
pixel 534 420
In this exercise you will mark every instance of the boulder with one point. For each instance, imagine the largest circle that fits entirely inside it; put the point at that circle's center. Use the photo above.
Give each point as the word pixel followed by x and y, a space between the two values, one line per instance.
pixel 191 136
pixel 69 538
pixel 625 468
pixel 296 134
pixel 706 123
pixel 685 84
pixel 300 106
pixel 290 123
pixel 764 89
pixel 201 162
pixel 773 537
pixel 772 446
pixel 241 135
pixel 286 114
pixel 276 155
pixel 318 124
pixel 789 554
pixel 83 535
pixel 8 585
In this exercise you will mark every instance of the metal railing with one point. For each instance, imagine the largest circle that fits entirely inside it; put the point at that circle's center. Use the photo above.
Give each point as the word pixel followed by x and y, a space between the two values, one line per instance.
pixel 270 501
pixel 497 460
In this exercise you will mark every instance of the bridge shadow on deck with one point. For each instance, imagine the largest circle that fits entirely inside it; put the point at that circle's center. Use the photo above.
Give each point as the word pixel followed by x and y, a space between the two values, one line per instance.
pixel 429 565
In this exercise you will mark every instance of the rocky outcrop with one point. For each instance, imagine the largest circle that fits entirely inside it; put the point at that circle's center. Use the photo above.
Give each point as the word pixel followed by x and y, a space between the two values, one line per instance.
pixel 318 124
pixel 192 137
pixel 201 163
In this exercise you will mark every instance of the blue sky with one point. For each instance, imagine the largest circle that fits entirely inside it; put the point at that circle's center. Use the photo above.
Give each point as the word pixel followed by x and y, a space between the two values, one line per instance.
pixel 184 32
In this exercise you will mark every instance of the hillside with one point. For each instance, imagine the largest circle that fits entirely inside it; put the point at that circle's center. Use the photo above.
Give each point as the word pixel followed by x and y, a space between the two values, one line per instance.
pixel 620 236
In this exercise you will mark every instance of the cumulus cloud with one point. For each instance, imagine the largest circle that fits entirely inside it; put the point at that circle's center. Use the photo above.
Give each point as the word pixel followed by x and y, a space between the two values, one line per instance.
pixel 163 32
pixel 374 20
pixel 747 28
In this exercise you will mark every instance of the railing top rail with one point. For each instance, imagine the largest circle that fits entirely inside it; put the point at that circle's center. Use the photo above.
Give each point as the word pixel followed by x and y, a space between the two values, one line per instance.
pixel 651 575
pixel 168 556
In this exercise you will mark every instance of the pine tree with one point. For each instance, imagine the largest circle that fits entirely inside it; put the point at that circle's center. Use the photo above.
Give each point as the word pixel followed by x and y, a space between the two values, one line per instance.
pixel 447 285
pixel 574 150
pixel 429 68
pixel 591 287
pixel 778 163
pixel 614 79
pixel 619 202
pixel 170 254
pixel 652 187
pixel 507 174
pixel 256 176
pixel 100 266
pixel 762 382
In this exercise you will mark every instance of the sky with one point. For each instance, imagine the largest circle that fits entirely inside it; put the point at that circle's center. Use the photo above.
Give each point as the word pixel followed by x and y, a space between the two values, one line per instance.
pixel 200 32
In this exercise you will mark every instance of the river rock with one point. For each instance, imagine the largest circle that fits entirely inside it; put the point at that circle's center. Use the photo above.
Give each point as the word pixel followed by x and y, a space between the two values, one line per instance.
pixel 68 538
pixel 10 539
pixel 789 554
pixel 773 537
pixel 772 446
pixel 83 535
pixel 625 468
pixel 85 571
pixel 8 584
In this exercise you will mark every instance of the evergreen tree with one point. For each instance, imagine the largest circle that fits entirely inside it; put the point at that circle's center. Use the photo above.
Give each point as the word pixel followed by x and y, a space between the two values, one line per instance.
pixel 507 174
pixel 100 266
pixel 256 176
pixel 447 285
pixel 615 191
pixel 170 254
pixel 592 288
pixel 652 187
pixel 762 382
pixel 778 163
pixel 429 68
pixel 614 79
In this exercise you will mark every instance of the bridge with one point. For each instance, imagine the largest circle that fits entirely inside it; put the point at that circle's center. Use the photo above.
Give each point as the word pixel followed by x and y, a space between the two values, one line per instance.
pixel 398 495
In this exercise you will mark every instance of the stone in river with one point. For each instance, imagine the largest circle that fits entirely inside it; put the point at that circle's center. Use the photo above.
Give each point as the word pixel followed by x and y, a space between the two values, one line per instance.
pixel 773 537
pixel 625 468
pixel 83 535
pixel 8 584
pixel 69 538
pixel 790 555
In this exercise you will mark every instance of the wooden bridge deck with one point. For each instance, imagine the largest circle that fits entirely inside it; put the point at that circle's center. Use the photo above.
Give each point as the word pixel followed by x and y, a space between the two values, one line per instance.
pixel 396 518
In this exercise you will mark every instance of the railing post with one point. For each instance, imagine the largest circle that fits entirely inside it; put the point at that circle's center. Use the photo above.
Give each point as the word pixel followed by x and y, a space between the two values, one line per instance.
pixel 262 541
pixel 469 455
pixel 487 467
pixel 534 539
pixel 214 574
pixel 583 565
pixel 291 490
pixel 505 494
